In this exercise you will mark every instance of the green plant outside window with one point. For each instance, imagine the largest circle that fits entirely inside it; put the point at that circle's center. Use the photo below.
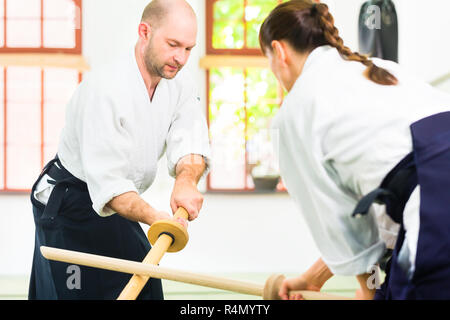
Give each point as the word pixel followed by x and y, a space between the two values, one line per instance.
pixel 242 101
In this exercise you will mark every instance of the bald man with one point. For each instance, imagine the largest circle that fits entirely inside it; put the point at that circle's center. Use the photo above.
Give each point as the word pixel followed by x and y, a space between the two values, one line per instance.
pixel 119 123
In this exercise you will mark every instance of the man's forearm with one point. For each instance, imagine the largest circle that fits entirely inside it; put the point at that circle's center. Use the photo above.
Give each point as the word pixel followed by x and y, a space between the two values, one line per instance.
pixel 190 168
pixel 185 193
pixel 132 207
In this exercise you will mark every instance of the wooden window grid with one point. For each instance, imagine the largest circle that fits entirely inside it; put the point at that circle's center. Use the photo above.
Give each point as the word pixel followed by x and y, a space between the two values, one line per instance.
pixel 231 57
pixel 52 57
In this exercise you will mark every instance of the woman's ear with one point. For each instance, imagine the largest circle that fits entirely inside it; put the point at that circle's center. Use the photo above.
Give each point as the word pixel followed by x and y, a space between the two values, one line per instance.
pixel 279 51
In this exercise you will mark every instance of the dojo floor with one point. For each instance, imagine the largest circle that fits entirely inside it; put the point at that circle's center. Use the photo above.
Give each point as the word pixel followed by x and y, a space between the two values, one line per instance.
pixel 16 287
pixel 237 236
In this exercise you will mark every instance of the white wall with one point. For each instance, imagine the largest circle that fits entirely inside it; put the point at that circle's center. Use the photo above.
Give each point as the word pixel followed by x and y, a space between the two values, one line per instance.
pixel 235 234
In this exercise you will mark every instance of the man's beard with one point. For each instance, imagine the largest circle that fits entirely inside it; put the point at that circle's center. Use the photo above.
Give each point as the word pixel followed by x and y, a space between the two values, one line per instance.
pixel 156 68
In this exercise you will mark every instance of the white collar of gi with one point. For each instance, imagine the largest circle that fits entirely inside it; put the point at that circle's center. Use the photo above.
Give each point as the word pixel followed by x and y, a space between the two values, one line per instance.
pixel 136 70
pixel 314 56
pixel 138 74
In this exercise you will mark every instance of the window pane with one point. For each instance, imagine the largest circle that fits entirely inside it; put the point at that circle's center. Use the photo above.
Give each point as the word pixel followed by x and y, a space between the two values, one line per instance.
pixel 262 98
pixel 253 34
pixel 234 159
pixel 259 9
pixel 24 85
pixel 228 35
pixel 57 9
pixel 59 34
pixel 227 128
pixel 24 114
pixel 59 85
pixel 23 33
pixel 2 120
pixel 255 13
pixel 262 105
pixel 24 154
pixel 23 9
pixel 2 18
pixel 53 124
pixel 24 23
pixel 59 23
pixel 228 10
pixel 232 21
pixel 228 28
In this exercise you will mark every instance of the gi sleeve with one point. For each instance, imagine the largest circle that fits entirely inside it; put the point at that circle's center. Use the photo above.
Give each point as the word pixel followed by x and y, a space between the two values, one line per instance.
pixel 188 132
pixel 349 246
pixel 105 146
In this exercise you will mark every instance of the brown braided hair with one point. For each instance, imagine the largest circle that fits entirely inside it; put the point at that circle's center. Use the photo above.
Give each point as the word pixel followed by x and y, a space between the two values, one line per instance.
pixel 307 25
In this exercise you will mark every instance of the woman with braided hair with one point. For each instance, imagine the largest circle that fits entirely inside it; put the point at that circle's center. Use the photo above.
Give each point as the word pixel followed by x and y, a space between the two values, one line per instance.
pixel 364 151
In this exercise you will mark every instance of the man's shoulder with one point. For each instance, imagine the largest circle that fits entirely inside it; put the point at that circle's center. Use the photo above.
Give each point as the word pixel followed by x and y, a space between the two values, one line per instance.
pixel 183 86
pixel 183 80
